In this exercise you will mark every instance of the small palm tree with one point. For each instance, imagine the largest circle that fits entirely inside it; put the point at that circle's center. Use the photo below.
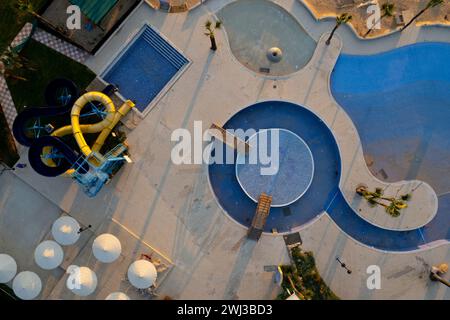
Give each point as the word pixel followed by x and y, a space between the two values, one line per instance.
pixel 210 32
pixel 11 62
pixel 340 20
pixel 388 11
pixel 27 6
pixel 430 4
pixel 392 205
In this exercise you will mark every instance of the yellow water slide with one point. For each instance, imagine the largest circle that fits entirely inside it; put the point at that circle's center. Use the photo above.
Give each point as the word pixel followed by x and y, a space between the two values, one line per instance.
pixel 104 127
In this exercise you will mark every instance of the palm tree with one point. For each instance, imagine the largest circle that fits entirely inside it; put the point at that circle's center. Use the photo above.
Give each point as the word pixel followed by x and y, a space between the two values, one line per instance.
pixel 11 62
pixel 342 19
pixel 391 204
pixel 210 32
pixel 8 73
pixel 431 4
pixel 27 6
pixel 388 11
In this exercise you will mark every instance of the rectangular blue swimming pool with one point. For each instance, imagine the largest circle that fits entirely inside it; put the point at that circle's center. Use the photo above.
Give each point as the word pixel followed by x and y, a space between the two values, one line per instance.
pixel 145 68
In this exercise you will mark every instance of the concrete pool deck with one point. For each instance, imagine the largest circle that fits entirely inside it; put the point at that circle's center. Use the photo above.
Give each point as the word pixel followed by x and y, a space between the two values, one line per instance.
pixel 172 208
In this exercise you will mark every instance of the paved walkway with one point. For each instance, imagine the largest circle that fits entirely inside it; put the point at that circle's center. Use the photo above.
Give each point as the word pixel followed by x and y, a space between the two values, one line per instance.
pixel 25 221
pixel 172 208
pixel 6 100
pixel 7 103
pixel 60 46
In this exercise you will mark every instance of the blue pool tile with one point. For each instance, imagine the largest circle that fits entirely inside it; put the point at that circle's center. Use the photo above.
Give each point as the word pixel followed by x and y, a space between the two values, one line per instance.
pixel 145 68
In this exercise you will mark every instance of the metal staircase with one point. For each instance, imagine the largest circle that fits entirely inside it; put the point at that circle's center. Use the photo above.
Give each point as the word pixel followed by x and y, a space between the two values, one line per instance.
pixel 93 179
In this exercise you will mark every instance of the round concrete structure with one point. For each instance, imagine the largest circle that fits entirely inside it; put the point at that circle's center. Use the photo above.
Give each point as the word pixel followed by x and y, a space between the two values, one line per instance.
pixel 286 174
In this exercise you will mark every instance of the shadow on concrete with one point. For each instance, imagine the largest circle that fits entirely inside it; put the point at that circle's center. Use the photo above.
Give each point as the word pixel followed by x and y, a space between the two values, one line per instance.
pixel 240 265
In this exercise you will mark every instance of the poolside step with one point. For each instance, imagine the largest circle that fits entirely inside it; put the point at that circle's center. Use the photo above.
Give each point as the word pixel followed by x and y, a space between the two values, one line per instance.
pixel 164 51
pixel 164 48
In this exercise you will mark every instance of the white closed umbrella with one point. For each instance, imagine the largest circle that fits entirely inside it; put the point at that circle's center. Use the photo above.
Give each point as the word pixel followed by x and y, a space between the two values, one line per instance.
pixel 65 230
pixel 27 285
pixel 106 248
pixel 48 255
pixel 117 296
pixel 142 274
pixel 82 282
pixel 8 268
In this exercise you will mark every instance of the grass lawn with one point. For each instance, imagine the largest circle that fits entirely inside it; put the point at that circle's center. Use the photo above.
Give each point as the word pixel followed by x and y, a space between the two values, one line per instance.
pixel 12 20
pixel 8 151
pixel 49 65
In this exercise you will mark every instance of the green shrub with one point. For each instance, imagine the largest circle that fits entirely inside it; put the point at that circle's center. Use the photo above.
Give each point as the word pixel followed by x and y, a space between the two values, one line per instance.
pixel 305 277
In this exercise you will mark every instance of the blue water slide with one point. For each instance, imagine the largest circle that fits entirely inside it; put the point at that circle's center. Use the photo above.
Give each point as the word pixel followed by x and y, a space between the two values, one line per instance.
pixel 20 126
pixel 66 160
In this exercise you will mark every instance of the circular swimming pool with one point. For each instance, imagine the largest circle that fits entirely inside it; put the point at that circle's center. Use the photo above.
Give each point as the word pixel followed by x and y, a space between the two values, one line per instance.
pixel 279 164
pixel 322 195
pixel 309 167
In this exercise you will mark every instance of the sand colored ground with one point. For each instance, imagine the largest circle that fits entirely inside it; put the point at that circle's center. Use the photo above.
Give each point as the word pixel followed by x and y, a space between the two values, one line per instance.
pixel 331 8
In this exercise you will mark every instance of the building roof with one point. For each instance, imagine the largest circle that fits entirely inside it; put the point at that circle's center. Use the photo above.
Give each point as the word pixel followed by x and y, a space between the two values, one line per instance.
pixel 95 10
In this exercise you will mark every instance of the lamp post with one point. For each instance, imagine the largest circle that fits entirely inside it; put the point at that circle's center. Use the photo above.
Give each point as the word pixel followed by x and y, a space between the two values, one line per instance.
pixel 343 265
pixel 84 229
pixel 19 166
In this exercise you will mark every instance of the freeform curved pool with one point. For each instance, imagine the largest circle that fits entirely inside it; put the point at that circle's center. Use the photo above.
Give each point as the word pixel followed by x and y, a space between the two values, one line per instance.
pixel 322 195
pixel 255 26
pixel 399 102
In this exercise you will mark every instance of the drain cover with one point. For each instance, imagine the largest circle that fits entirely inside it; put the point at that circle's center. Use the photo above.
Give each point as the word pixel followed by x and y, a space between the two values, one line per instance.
pixel 274 54
pixel 287 211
